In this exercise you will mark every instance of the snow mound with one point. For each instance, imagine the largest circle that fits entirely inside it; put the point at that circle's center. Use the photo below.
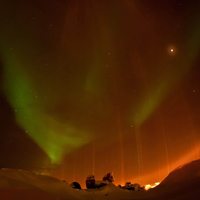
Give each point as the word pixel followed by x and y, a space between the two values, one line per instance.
pixel 19 181
pixel 25 194
pixel 184 173
pixel 181 184
pixel 112 192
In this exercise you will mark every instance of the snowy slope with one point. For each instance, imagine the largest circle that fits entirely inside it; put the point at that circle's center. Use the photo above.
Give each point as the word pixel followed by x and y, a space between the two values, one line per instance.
pixel 24 194
pixel 22 180
pixel 182 183
pixel 184 172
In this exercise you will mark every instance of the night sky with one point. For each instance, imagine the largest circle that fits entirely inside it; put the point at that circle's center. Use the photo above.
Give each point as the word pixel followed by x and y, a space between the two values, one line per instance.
pixel 98 86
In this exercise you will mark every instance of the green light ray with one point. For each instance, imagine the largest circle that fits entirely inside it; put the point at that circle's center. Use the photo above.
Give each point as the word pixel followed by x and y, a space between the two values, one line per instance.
pixel 54 137
pixel 159 91
pixel 149 104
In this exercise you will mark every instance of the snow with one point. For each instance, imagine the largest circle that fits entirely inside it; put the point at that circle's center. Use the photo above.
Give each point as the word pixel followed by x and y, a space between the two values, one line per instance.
pixel 184 172
pixel 182 183
pixel 18 180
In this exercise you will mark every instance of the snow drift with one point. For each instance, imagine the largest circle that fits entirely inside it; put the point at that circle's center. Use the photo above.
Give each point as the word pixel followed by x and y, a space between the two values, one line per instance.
pixel 182 183
pixel 184 173
pixel 19 181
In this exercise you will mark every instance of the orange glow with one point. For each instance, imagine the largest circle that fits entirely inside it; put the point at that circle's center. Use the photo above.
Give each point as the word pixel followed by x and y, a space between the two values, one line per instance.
pixel 148 186
pixel 188 157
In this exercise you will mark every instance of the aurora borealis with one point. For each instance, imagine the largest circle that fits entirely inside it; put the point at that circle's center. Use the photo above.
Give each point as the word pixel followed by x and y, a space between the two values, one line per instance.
pixel 93 86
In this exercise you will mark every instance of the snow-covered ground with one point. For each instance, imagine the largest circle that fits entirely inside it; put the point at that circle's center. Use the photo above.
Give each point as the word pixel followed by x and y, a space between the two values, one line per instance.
pixel 182 183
